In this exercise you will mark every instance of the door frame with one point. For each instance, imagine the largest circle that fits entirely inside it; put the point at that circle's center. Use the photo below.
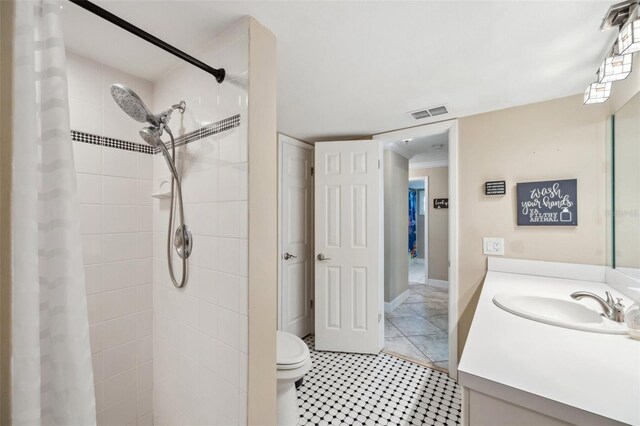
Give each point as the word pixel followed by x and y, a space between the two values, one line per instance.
pixel 426 223
pixel 284 139
pixel 450 126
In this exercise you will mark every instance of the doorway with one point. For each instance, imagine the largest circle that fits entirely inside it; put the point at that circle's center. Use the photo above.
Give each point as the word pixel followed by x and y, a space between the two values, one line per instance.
pixel 418 230
pixel 358 164
pixel 330 210
pixel 423 326
pixel 296 289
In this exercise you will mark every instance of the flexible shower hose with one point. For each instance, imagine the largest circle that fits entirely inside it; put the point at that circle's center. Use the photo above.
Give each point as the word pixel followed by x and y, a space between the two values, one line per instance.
pixel 175 183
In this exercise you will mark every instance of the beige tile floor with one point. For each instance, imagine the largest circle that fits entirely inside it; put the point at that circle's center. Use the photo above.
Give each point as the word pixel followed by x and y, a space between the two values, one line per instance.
pixel 417 329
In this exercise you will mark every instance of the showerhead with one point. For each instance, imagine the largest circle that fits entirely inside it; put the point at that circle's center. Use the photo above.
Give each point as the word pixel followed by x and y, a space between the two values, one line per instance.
pixel 131 103
pixel 151 135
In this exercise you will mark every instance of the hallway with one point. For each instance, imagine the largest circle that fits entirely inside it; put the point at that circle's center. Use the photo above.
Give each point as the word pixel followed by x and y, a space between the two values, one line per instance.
pixel 418 328
pixel 417 271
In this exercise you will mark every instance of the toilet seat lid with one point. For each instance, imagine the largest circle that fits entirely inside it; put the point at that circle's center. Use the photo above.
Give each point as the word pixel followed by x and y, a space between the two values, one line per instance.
pixel 291 350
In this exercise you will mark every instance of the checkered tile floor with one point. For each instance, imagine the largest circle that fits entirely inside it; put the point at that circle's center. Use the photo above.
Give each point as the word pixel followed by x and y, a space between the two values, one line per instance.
pixel 354 389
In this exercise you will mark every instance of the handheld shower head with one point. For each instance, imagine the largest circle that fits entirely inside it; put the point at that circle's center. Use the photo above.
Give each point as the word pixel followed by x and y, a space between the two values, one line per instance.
pixel 131 103
pixel 151 135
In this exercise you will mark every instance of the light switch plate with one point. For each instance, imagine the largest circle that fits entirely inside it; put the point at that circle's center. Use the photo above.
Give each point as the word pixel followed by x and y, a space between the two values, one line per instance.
pixel 493 246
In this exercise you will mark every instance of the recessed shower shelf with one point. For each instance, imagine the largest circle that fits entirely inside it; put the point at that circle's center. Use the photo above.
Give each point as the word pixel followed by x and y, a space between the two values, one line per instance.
pixel 163 192
pixel 161 195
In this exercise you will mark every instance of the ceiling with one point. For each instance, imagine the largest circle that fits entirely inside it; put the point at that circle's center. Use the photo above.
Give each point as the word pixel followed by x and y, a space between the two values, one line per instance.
pixel 348 69
pixel 421 150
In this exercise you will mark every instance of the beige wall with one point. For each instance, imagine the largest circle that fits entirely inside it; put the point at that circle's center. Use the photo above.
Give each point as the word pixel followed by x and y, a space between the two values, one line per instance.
pixel 6 50
pixel 263 226
pixel 624 90
pixel 438 251
pixel 556 139
pixel 396 236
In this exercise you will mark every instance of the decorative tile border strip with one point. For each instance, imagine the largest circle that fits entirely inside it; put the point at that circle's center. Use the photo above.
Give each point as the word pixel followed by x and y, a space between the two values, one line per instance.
pixel 203 132
pixel 110 142
pixel 126 145
pixel 208 130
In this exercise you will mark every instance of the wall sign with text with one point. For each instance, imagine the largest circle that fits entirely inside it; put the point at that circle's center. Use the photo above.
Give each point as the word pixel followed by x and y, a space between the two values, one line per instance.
pixel 496 187
pixel 548 203
pixel 440 203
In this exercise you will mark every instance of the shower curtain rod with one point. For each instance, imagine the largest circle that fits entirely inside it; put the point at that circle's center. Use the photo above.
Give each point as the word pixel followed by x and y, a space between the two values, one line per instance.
pixel 127 26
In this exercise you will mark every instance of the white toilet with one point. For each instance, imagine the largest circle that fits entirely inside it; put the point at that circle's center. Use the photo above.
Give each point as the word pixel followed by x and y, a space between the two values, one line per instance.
pixel 294 361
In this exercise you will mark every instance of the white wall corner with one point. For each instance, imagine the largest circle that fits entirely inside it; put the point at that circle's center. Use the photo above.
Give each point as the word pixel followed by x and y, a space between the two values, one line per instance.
pixel 390 306
pixel 398 148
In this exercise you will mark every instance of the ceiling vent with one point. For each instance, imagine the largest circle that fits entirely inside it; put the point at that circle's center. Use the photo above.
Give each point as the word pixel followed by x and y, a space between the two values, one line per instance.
pixel 428 112
pixel 438 111
pixel 423 113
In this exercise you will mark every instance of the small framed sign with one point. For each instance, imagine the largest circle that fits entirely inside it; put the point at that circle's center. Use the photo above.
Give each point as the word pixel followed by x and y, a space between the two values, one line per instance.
pixel 548 203
pixel 496 187
pixel 440 203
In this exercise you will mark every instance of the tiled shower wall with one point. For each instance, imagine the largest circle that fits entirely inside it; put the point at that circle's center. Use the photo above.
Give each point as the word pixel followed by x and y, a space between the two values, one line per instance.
pixel 114 187
pixel 190 342
pixel 200 331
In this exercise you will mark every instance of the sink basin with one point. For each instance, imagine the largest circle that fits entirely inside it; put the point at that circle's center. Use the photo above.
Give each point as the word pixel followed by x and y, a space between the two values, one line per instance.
pixel 559 312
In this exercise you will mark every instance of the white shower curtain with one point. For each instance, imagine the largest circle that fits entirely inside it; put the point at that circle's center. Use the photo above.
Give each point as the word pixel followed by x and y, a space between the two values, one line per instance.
pixel 52 377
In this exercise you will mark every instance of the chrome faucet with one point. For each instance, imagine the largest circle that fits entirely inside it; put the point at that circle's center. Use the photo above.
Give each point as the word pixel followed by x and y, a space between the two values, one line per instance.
pixel 610 309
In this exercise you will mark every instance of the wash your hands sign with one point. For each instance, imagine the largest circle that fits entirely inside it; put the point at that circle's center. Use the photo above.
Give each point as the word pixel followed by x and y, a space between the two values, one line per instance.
pixel 548 203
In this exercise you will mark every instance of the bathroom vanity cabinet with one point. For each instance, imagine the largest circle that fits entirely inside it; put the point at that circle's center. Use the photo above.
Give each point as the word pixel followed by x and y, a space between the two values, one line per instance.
pixel 517 371
pixel 483 409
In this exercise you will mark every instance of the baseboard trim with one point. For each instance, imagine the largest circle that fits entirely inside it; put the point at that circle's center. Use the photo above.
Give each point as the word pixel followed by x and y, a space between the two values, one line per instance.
pixel 438 283
pixel 390 306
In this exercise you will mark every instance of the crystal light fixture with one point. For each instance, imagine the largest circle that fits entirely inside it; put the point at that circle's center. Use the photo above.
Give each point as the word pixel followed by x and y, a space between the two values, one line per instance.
pixel 597 93
pixel 614 68
pixel 629 37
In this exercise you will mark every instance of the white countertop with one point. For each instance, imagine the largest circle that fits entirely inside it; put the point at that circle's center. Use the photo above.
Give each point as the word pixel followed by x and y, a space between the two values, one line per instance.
pixel 597 373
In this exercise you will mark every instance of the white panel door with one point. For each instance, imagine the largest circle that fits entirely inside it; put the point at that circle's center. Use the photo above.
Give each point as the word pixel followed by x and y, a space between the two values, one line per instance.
pixel 296 296
pixel 348 246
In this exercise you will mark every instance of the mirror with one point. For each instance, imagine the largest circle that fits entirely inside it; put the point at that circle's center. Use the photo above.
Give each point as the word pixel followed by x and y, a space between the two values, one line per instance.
pixel 626 188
